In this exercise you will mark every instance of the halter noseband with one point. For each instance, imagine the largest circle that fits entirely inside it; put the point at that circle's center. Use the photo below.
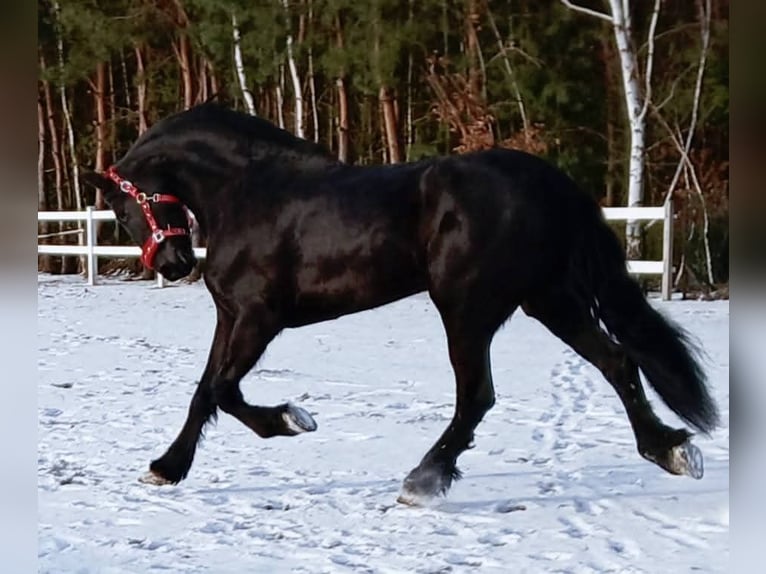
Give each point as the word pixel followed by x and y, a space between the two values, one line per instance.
pixel 158 235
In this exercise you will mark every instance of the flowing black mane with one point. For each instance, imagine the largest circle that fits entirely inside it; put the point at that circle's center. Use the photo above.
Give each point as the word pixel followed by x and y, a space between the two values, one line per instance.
pixel 215 118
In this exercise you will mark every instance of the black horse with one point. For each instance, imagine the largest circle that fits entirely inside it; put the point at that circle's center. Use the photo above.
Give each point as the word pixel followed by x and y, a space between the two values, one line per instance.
pixel 294 237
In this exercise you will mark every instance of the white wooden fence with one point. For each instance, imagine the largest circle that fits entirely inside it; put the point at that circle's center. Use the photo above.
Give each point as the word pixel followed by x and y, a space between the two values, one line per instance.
pixel 92 251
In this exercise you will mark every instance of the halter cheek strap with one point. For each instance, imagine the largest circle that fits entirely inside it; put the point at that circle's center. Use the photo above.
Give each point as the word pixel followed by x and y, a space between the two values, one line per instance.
pixel 157 235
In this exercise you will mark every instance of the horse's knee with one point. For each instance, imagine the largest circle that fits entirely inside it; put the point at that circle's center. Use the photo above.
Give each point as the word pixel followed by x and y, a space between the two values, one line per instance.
pixel 203 402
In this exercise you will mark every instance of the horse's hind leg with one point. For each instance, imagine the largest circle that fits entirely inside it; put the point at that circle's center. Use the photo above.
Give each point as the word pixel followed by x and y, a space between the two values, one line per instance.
pixel 570 321
pixel 469 355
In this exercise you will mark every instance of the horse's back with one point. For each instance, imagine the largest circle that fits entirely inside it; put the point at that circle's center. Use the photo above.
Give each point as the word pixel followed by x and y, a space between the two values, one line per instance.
pixel 353 241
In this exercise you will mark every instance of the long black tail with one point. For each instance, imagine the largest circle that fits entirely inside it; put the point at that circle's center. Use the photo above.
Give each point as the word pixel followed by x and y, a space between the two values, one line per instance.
pixel 662 349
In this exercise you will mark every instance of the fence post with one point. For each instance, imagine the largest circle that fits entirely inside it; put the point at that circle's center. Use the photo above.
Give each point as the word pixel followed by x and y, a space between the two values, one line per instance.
pixel 90 241
pixel 667 252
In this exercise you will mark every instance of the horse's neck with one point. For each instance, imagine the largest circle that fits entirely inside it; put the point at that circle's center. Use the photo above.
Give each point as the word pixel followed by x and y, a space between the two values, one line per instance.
pixel 203 191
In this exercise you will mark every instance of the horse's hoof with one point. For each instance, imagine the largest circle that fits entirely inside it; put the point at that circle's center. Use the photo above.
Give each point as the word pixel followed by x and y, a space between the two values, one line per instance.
pixel 422 486
pixel 298 420
pixel 410 499
pixel 153 479
pixel 686 459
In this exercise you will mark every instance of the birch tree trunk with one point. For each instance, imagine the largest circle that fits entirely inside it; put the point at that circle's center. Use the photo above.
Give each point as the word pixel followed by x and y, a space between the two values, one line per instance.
pixel 239 67
pixel 637 103
pixel 296 81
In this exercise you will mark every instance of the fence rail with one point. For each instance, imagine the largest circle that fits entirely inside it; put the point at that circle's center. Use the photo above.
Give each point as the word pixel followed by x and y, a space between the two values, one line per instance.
pixel 92 251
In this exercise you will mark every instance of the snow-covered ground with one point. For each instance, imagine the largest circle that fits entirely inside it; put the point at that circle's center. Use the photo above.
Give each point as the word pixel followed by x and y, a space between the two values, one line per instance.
pixel 117 366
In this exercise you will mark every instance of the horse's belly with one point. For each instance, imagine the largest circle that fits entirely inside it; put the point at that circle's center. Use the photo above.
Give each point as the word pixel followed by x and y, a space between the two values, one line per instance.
pixel 322 295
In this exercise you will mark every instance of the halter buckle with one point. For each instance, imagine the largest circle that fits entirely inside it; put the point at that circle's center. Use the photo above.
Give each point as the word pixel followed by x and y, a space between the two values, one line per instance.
pixel 140 197
pixel 158 236
pixel 126 186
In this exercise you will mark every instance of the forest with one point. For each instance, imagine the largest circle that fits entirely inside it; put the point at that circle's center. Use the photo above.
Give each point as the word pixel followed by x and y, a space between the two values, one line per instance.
pixel 629 97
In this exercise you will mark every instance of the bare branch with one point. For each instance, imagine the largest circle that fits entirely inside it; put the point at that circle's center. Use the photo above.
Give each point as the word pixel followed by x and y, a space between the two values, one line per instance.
pixel 588 11
pixel 650 58
pixel 509 70
pixel 687 166
pixel 705 34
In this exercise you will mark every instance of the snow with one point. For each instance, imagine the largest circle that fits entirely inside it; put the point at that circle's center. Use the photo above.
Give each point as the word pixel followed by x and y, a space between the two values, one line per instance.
pixel 554 483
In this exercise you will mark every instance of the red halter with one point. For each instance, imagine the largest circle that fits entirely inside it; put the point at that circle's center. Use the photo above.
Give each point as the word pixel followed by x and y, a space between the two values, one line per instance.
pixel 157 236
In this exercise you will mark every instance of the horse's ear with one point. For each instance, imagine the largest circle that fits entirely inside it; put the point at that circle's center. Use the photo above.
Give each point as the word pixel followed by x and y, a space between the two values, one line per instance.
pixel 93 182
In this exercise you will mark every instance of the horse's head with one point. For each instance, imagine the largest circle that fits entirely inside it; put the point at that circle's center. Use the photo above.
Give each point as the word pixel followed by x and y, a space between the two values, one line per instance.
pixel 156 221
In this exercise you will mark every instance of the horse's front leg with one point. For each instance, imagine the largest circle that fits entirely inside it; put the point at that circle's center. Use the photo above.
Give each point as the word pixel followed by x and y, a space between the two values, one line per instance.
pixel 250 335
pixel 174 465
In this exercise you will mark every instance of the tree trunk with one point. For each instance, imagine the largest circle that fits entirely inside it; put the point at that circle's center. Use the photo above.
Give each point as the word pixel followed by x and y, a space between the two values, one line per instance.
pixel 213 79
pixel 340 84
pixel 476 83
pixel 636 165
pixel 390 123
pixel 184 63
pixel 56 154
pixel 141 91
pixel 75 167
pixel 240 67
pixel 42 200
pixel 42 203
pixel 311 78
pixel 111 143
pixel 636 103
pixel 125 82
pixel 281 98
pixel 99 101
pixel 297 90
pixel 612 145
pixel 636 107
pixel 202 87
